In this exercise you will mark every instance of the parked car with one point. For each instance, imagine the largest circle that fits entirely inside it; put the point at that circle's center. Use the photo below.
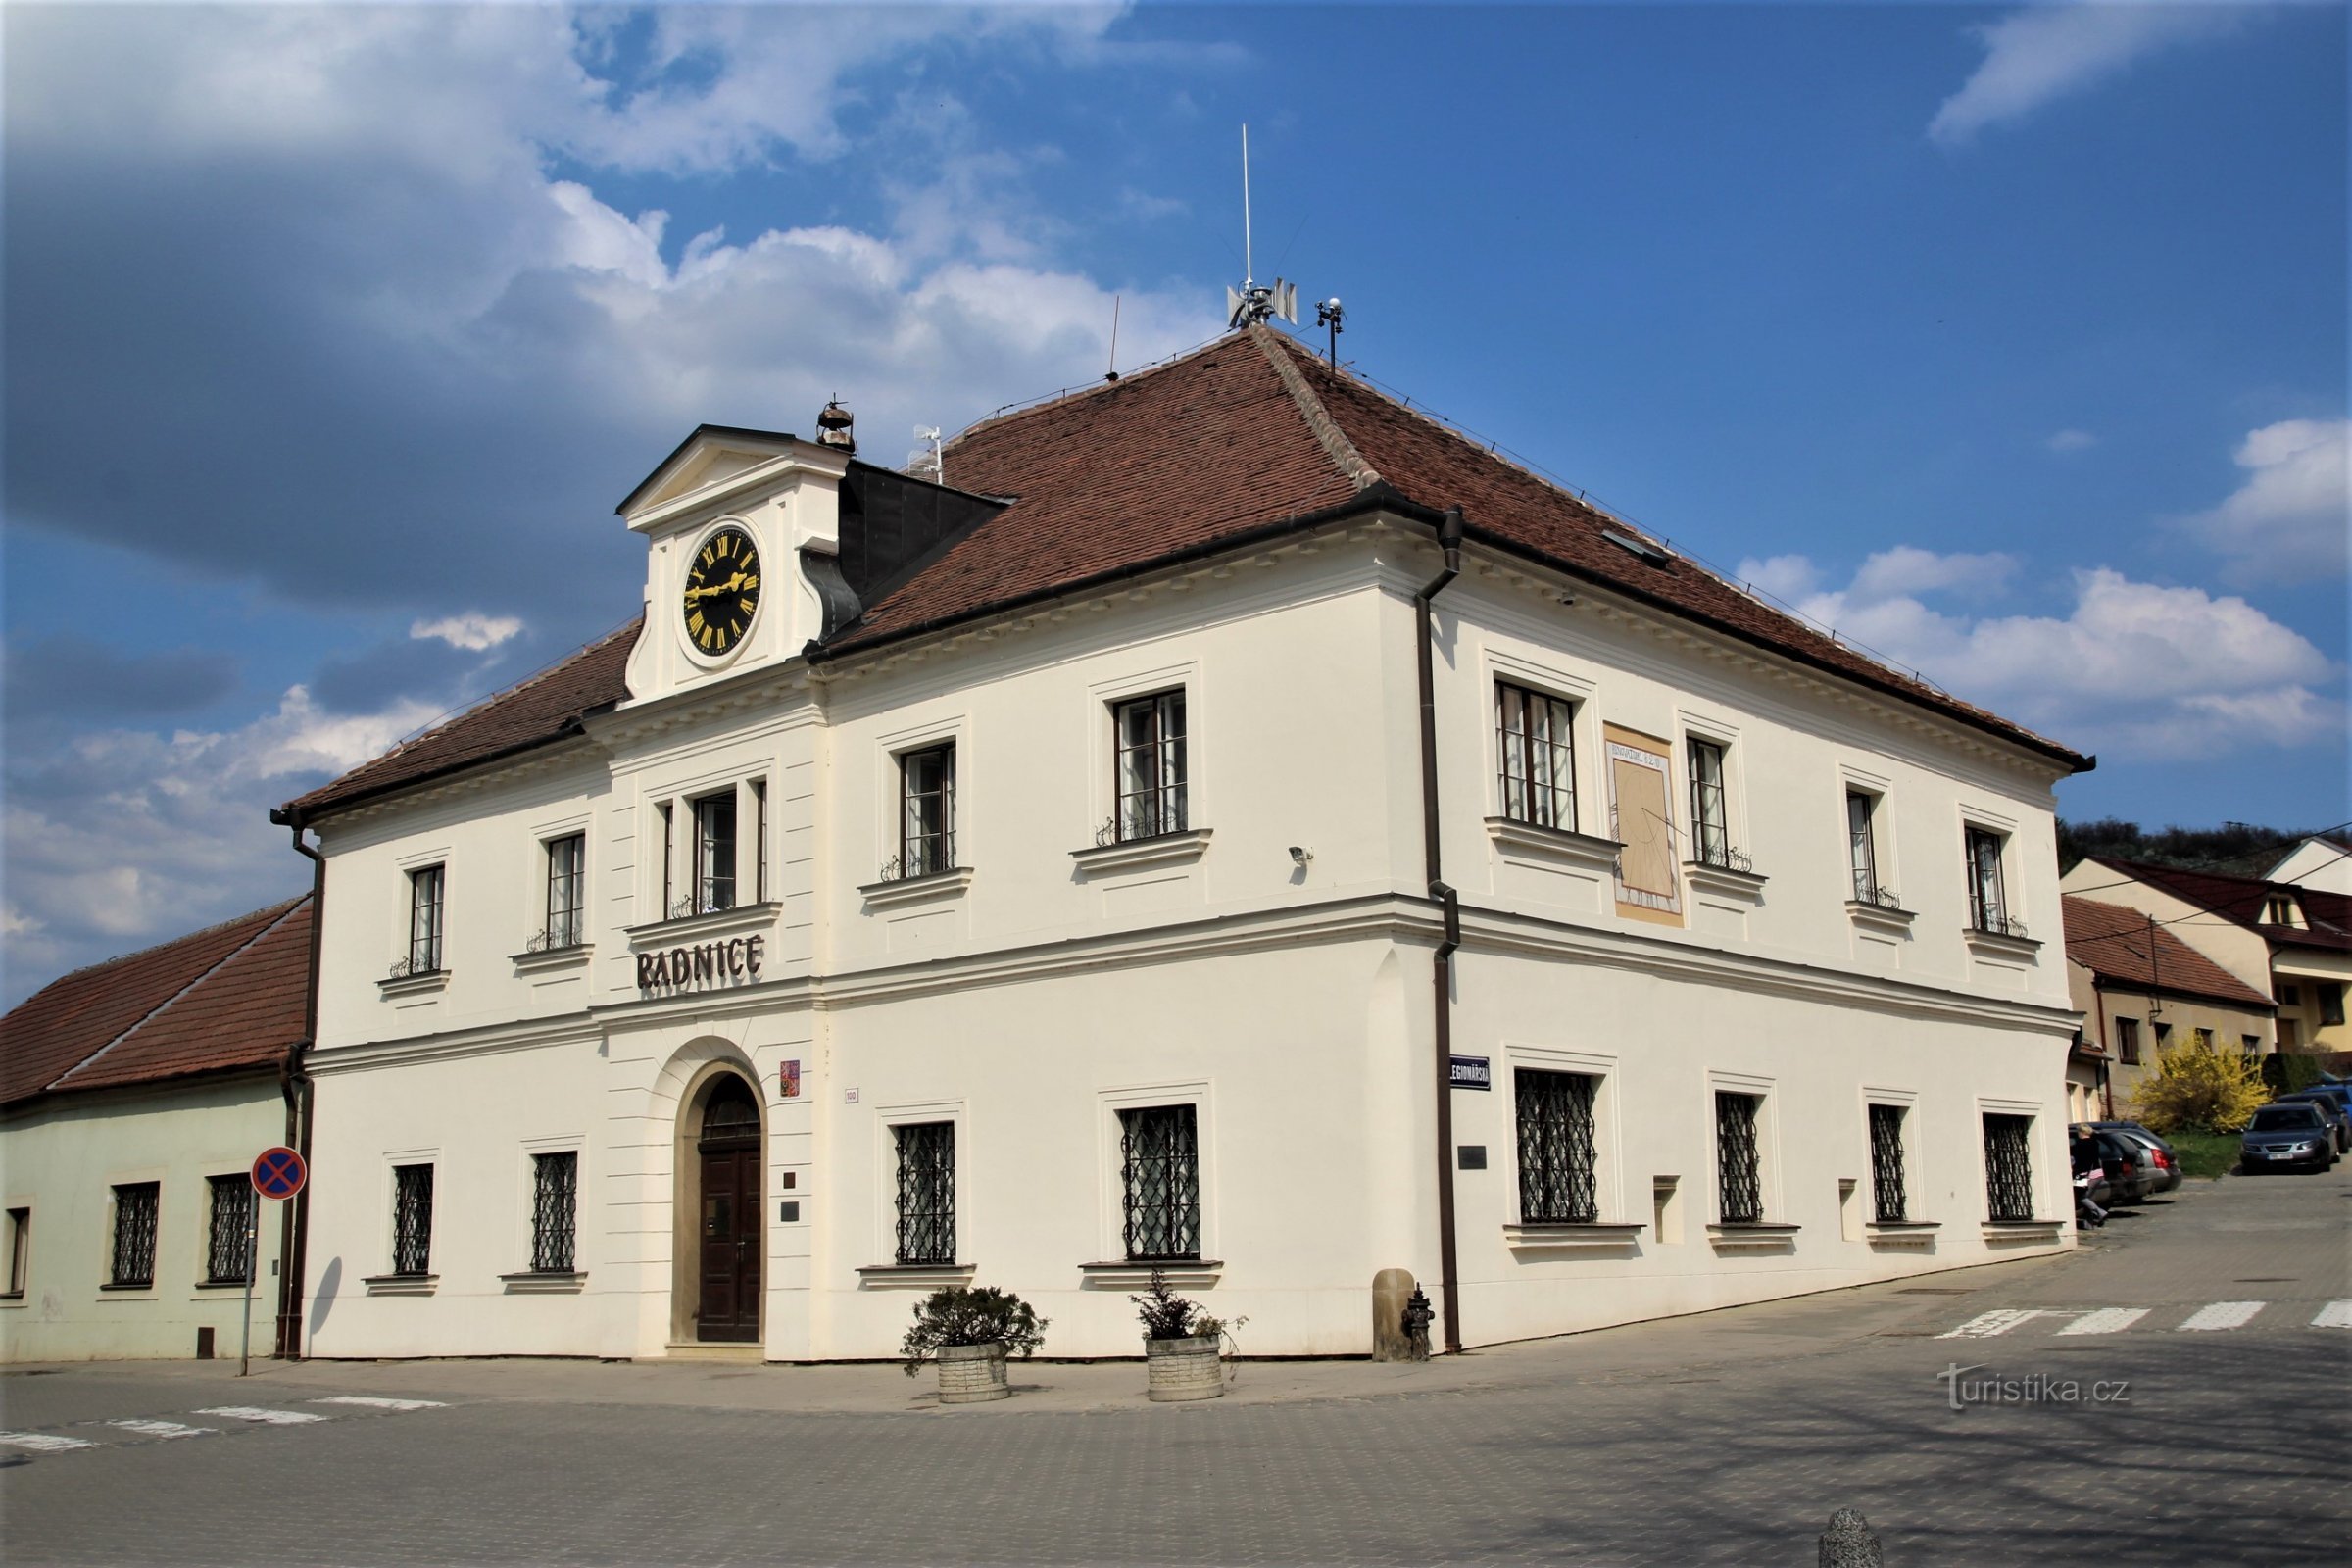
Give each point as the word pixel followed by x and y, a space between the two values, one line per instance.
pixel 2091 1173
pixel 2283 1136
pixel 2335 1104
pixel 2130 1173
pixel 2167 1175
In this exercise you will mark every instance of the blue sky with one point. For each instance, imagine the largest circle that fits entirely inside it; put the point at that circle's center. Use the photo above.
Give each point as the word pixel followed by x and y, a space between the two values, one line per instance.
pixel 2010 341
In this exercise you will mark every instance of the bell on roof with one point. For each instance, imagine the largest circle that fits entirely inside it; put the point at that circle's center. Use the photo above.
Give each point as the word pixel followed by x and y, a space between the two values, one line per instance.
pixel 833 426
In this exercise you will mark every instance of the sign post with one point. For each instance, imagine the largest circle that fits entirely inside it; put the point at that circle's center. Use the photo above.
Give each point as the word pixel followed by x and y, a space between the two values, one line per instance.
pixel 277 1175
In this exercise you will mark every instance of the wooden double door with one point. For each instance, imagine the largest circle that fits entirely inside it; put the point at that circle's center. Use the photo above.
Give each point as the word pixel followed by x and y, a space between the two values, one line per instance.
pixel 729 1222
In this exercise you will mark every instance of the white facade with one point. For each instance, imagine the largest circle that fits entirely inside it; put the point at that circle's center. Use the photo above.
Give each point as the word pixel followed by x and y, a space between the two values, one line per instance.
pixel 64 1160
pixel 1047 982
pixel 2315 864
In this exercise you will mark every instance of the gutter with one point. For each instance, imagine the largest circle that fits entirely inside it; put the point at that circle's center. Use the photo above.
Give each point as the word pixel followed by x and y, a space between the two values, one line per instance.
pixel 295 1085
pixel 1449 539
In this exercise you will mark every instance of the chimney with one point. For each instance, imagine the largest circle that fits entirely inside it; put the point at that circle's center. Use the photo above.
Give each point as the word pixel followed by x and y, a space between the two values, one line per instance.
pixel 833 427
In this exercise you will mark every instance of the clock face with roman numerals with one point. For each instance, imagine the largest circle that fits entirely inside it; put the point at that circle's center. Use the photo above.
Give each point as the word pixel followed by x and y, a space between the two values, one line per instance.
pixel 722 590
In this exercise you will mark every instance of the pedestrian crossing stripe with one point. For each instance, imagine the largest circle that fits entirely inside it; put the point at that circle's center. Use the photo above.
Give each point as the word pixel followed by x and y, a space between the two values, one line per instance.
pixel 1985 1325
pixel 2210 1318
pixel 254 1412
pixel 2334 1315
pixel 44 1442
pixel 2106 1320
pixel 375 1402
pixel 162 1429
pixel 2222 1315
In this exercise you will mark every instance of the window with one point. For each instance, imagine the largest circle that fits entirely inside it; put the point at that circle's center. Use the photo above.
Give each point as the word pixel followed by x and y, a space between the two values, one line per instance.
pixel 567 919
pixel 926 1191
pixel 714 853
pixel 2251 1044
pixel 927 811
pixel 554 1210
pixel 1888 1191
pixel 1159 1176
pixel 2163 1034
pixel 1556 1147
pixel 134 1261
pixel 2008 1167
pixel 2332 1003
pixel 2204 1038
pixel 759 840
pixel 1987 909
pixel 229 1244
pixel 1862 848
pixel 19 1250
pixel 1149 736
pixel 670 861
pixel 1710 829
pixel 2278 908
pixel 1536 744
pixel 411 1219
pixel 1738 1176
pixel 2289 996
pixel 424 919
pixel 2127 1041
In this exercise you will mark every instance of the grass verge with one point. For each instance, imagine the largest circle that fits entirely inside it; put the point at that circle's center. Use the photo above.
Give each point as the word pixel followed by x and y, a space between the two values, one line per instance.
pixel 2205 1153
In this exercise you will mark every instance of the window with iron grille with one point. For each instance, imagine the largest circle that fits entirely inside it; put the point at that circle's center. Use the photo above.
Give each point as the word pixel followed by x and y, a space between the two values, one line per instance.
pixel 714 853
pixel 411 1219
pixel 555 1212
pixel 1987 909
pixel 134 1261
pixel 229 1244
pixel 1710 827
pixel 2127 1041
pixel 1159 1176
pixel 1738 1172
pixel 1150 779
pixel 1556 1147
pixel 425 885
pixel 2008 1167
pixel 19 1250
pixel 1536 747
pixel 1861 844
pixel 927 811
pixel 1886 1183
pixel 926 1191
pixel 566 918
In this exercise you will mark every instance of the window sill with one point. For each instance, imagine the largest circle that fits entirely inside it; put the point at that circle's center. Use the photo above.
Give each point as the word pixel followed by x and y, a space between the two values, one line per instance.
pixel 717 923
pixel 1181 1273
pixel 1165 849
pixel 222 1284
pixel 1901 1232
pixel 131 1288
pixel 1571 1237
pixel 1759 1237
pixel 1705 876
pixel 1555 844
pixel 1879 917
pixel 414 985
pixel 2024 1230
pixel 1996 945
pixel 536 1281
pixel 546 958
pixel 913 1276
pixel 401 1284
pixel 916 889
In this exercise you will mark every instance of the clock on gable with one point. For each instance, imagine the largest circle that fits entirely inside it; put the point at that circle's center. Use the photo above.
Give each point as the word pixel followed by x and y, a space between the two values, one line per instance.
pixel 722 590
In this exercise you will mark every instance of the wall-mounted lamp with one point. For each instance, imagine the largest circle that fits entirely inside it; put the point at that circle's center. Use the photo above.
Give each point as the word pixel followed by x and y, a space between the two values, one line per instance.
pixel 1300 856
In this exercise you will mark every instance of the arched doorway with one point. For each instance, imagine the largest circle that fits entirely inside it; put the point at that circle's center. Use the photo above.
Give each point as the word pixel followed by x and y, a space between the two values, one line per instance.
pixel 729 1213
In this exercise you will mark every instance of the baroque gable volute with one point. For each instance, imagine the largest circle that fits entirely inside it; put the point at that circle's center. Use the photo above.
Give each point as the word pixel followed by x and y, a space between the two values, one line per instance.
pixel 726 518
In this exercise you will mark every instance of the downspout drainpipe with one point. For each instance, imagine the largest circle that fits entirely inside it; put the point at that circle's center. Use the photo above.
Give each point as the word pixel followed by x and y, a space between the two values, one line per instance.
pixel 1449 539
pixel 294 1216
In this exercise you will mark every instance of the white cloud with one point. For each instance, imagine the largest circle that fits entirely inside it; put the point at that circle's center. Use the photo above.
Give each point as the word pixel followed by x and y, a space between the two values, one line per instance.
pixel 473 633
pixel 2071 441
pixel 2133 669
pixel 2044 52
pixel 1787 578
pixel 1908 570
pixel 2291 517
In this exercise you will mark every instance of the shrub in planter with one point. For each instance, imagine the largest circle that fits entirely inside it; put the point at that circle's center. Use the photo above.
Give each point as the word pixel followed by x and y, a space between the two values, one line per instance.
pixel 969 1333
pixel 1179 1343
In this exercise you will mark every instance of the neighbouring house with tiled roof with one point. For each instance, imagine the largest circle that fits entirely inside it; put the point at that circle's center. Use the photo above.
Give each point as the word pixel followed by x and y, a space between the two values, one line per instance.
pixel 2322 862
pixel 2140 988
pixel 2289 944
pixel 134 1096
pixel 1221 822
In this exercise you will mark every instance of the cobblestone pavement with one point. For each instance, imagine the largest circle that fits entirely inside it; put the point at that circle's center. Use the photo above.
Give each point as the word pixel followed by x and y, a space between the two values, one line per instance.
pixel 1723 1439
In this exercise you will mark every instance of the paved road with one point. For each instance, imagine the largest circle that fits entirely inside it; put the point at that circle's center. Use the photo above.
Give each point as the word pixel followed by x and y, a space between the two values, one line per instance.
pixel 2208 1343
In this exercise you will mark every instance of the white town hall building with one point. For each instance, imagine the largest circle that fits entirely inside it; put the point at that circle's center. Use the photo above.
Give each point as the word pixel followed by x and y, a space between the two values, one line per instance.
pixel 1236 825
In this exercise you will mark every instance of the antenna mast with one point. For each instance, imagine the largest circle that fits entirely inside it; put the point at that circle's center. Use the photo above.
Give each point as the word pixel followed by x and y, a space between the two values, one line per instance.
pixel 1250 304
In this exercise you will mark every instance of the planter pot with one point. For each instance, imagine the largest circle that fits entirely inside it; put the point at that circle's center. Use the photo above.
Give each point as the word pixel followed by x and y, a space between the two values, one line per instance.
pixel 969 1373
pixel 1184 1369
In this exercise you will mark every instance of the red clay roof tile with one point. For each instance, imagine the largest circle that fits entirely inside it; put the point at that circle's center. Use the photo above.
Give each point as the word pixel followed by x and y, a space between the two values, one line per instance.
pixel 2122 945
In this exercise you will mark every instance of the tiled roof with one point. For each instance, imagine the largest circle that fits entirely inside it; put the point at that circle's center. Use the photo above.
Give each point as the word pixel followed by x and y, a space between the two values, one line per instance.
pixel 209 1002
pixel 1247 435
pixel 2241 898
pixel 545 708
pixel 2121 945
